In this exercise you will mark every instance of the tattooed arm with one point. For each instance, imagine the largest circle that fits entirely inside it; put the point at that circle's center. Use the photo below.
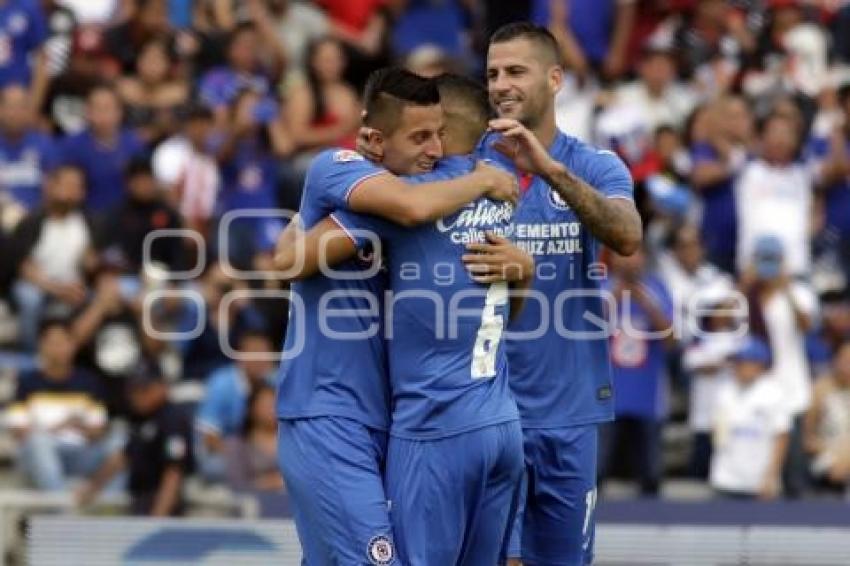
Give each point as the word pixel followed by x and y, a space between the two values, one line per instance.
pixel 614 221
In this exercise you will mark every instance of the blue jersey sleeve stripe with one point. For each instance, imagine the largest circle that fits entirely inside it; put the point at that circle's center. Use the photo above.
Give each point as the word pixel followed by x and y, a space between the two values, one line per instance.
pixel 622 196
pixel 345 229
pixel 360 181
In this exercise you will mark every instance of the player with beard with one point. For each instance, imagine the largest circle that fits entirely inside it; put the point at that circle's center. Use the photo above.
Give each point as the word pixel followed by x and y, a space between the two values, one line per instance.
pixel 575 197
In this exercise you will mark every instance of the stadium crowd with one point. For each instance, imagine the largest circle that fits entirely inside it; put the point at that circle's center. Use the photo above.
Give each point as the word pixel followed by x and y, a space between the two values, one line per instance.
pixel 120 118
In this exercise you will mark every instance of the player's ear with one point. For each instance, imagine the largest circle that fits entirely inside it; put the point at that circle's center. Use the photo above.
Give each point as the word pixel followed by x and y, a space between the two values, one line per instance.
pixel 556 78
pixel 375 138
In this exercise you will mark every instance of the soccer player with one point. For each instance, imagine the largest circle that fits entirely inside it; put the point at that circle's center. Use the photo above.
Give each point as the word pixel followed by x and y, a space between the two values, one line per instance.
pixel 333 403
pixel 575 197
pixel 455 448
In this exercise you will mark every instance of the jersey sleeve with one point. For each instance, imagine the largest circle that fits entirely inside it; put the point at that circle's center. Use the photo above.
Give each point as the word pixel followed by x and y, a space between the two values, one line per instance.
pixel 338 173
pixel 607 173
pixel 363 229
pixel 484 150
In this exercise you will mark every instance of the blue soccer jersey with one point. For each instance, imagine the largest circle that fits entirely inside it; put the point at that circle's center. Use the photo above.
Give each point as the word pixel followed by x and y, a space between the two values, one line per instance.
pixel 558 345
pixel 23 165
pixel 447 361
pixel 23 29
pixel 103 165
pixel 334 359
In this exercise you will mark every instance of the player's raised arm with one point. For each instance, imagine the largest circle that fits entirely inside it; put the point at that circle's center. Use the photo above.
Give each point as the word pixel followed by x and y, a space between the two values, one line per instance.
pixel 300 254
pixel 390 197
pixel 614 221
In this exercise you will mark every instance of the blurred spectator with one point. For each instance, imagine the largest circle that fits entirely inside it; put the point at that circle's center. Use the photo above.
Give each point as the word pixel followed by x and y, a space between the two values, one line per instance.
pixel 153 95
pixel 322 111
pixel 23 61
pixel 593 36
pixel 662 100
pixel 223 411
pixel 712 39
pixel 831 151
pixel 441 25
pixel 429 61
pixel 54 246
pixel 203 354
pixel 184 166
pixel 109 332
pixel 296 25
pixel 827 425
pixel 127 40
pixel 644 330
pixel 221 86
pixel 257 138
pixel 364 28
pixel 158 454
pixel 686 274
pixel 782 187
pixel 97 13
pixel 26 154
pixel 720 138
pixel 103 150
pixel 791 54
pixel 58 415
pixel 142 212
pixel 706 360
pixel 782 311
pixel 750 428
pixel 251 456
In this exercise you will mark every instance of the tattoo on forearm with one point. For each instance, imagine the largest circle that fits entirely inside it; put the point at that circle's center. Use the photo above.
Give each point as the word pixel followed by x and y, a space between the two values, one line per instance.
pixel 605 219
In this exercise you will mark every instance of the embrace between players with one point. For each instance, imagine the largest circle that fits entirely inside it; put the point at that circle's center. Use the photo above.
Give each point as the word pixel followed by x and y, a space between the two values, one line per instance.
pixel 425 446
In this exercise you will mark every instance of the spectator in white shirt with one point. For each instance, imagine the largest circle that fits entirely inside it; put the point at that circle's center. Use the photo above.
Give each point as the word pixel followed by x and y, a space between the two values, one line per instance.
pixel 706 361
pixel 661 99
pixel 686 272
pixel 773 196
pixel 184 166
pixel 53 248
pixel 782 311
pixel 750 428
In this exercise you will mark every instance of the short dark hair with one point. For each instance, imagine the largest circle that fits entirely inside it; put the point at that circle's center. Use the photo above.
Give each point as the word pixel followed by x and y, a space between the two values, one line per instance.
pixel 138 167
pixel 389 89
pixel 65 167
pixel 49 323
pixel 465 90
pixel 465 101
pixel 532 32
pixel 105 86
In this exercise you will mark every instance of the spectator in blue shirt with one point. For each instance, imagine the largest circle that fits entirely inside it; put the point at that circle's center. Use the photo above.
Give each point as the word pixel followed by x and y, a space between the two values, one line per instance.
pixel 642 334
pixel 593 35
pixel 26 154
pixel 257 139
pixel 220 87
pixel 223 410
pixel 23 31
pixel 103 150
